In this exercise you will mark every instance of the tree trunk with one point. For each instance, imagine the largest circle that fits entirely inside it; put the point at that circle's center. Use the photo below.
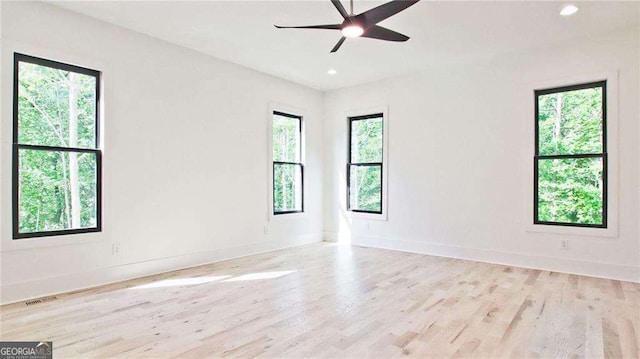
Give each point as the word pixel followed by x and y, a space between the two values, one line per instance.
pixel 283 177
pixel 65 190
pixel 359 177
pixel 557 126
pixel 74 183
pixel 557 133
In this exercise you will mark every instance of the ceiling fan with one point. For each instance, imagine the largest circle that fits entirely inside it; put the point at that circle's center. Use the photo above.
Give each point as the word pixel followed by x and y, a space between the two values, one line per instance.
pixel 364 24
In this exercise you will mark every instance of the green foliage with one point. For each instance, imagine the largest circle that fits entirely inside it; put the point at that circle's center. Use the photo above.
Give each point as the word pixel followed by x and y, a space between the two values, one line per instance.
pixel 571 190
pixel 287 187
pixel 365 187
pixel 50 182
pixel 43 107
pixel 287 178
pixel 570 122
pixel 286 139
pixel 366 140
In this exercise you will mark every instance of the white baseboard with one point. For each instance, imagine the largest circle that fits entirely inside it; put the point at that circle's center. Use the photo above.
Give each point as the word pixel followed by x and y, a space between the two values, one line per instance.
pixel 329 236
pixel 19 292
pixel 565 265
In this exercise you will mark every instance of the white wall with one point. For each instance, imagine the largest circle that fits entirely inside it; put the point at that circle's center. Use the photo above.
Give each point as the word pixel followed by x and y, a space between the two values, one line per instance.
pixel 460 160
pixel 185 157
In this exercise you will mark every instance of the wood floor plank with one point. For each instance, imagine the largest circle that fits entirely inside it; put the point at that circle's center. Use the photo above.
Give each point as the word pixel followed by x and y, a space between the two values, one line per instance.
pixel 328 301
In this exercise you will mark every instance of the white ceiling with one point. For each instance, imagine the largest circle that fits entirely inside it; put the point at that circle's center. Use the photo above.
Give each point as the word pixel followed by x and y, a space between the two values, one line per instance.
pixel 441 33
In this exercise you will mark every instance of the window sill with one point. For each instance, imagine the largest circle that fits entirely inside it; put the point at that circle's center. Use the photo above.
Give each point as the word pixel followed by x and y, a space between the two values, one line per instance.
pixel 288 216
pixel 9 244
pixel 367 216
pixel 610 233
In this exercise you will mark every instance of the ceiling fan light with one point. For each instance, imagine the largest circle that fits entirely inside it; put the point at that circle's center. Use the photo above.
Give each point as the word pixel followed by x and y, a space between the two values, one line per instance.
pixel 352 31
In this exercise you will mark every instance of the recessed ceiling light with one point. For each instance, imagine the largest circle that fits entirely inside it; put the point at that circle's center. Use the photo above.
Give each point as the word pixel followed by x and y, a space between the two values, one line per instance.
pixel 332 72
pixel 569 10
pixel 352 31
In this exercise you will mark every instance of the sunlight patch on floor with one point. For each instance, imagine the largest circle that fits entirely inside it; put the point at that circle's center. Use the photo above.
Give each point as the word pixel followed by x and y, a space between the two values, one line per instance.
pixel 185 282
pixel 260 275
pixel 181 282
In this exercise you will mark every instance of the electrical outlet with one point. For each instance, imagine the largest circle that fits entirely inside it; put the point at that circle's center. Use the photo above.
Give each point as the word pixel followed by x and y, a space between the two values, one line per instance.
pixel 116 248
pixel 564 244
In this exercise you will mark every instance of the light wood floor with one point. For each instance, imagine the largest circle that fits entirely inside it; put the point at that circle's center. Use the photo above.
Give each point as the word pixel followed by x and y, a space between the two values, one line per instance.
pixel 325 300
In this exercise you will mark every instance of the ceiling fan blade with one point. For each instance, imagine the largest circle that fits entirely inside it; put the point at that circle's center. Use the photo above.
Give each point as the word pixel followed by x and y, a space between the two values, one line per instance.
pixel 335 48
pixel 326 27
pixel 340 8
pixel 377 14
pixel 382 33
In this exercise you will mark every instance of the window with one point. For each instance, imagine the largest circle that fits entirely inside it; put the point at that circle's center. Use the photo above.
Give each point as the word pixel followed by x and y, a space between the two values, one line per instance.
pixel 288 170
pixel 364 170
pixel 570 164
pixel 56 149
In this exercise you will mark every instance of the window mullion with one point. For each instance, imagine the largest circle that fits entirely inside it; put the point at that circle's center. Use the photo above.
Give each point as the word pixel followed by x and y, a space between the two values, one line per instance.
pixel 56 148
pixel 573 156
pixel 366 164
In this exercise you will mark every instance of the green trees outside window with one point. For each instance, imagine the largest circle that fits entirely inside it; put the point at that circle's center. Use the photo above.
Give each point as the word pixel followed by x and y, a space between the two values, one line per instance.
pixel 287 163
pixel 56 149
pixel 571 156
pixel 365 164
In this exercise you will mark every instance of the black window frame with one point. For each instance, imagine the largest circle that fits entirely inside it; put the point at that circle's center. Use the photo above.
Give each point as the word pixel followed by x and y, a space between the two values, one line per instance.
pixel 364 164
pixel 280 163
pixel 97 151
pixel 602 155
